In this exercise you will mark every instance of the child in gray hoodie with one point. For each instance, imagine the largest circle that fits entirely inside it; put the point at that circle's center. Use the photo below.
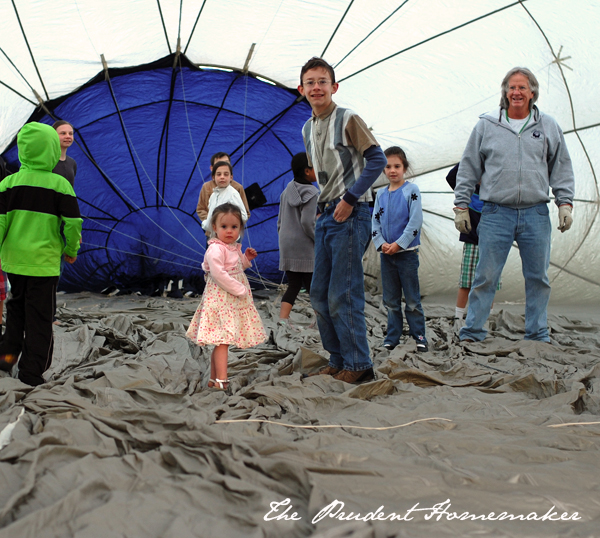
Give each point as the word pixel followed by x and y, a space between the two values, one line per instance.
pixel 296 228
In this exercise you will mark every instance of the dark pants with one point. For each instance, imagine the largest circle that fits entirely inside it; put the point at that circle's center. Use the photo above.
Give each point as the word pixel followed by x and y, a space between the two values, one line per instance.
pixel 29 314
pixel 295 282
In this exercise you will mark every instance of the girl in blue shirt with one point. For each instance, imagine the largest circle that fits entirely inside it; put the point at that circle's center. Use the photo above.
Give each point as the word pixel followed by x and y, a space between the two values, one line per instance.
pixel 397 221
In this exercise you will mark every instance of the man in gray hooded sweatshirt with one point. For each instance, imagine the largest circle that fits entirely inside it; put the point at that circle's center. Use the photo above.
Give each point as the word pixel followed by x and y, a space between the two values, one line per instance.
pixel 519 154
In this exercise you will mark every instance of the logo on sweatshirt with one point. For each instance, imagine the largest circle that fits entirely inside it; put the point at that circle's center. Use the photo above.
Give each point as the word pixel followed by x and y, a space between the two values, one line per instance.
pixel 536 134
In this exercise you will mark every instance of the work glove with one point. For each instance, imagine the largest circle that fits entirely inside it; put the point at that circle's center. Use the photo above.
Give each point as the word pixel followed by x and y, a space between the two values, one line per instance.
pixel 457 325
pixel 565 218
pixel 462 220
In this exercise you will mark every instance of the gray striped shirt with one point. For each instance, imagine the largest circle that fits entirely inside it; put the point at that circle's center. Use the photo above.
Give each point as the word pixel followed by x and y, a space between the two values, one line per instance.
pixel 335 142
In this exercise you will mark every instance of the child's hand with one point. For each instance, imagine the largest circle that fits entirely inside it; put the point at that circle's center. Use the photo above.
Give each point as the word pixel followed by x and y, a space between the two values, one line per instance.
pixel 388 248
pixel 250 254
pixel 342 211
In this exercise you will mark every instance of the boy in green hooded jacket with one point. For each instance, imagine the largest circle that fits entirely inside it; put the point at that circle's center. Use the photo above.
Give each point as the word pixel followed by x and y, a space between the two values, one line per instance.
pixel 33 204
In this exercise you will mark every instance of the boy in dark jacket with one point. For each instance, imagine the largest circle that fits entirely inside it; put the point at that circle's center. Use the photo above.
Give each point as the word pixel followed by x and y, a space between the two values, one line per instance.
pixel 470 257
pixel 33 203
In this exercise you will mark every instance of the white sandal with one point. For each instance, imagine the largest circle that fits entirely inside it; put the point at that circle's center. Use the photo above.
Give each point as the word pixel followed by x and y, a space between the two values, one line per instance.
pixel 221 384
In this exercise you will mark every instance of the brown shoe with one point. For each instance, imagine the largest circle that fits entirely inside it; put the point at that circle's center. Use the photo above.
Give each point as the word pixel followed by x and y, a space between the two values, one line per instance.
pixel 328 370
pixel 347 376
pixel 8 361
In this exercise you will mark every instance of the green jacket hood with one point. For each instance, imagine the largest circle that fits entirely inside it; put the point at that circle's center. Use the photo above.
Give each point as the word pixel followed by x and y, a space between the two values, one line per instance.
pixel 39 147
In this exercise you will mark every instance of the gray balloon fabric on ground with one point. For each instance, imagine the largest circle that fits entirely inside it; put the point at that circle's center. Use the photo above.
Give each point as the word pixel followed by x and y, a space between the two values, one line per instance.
pixel 125 439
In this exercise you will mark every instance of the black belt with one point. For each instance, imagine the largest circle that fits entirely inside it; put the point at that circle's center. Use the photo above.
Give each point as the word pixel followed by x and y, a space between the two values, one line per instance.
pixel 322 206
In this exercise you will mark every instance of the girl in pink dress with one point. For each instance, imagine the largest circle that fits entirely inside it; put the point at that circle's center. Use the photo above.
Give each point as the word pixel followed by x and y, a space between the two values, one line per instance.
pixel 226 315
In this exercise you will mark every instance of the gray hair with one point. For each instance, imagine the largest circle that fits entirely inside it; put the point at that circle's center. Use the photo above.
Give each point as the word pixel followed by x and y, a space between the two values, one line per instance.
pixel 533 85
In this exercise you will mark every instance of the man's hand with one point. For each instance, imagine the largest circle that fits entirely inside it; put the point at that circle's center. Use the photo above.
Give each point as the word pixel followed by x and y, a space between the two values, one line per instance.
pixel 462 220
pixel 70 259
pixel 565 217
pixel 250 254
pixel 390 248
pixel 342 211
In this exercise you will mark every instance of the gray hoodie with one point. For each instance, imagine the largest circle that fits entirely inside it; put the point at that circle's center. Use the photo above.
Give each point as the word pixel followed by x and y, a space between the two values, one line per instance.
pixel 296 227
pixel 515 170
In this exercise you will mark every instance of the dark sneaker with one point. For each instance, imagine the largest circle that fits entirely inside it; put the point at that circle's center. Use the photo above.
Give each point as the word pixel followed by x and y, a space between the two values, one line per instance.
pixel 361 376
pixel 388 346
pixel 328 370
pixel 7 362
pixel 422 345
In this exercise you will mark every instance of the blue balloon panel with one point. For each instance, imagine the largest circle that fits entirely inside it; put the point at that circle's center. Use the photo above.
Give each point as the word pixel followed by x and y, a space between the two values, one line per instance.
pixel 143 147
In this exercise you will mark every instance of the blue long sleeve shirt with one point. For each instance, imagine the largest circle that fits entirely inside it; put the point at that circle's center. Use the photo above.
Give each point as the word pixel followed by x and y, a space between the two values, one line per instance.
pixel 398 216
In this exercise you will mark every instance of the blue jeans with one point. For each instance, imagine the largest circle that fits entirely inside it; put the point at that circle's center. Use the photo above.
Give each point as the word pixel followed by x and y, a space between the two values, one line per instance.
pixel 337 291
pixel 498 228
pixel 400 273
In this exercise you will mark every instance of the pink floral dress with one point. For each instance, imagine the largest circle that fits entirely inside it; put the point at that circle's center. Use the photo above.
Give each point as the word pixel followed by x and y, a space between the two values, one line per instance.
pixel 226 314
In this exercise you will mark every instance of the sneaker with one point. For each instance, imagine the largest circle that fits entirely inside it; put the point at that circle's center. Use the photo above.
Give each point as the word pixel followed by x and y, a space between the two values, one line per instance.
pixel 421 344
pixel 8 361
pixel 388 346
pixel 361 376
pixel 328 370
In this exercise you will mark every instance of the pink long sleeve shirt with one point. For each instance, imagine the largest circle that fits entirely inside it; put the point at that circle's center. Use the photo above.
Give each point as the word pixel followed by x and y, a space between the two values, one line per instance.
pixel 221 260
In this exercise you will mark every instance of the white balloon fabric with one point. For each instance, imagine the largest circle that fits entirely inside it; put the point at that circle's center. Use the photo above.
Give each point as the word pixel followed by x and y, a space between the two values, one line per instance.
pixel 419 72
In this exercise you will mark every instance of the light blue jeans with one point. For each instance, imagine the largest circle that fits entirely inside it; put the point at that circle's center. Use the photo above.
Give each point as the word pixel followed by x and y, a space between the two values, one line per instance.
pixel 498 228
pixel 337 291
pixel 400 273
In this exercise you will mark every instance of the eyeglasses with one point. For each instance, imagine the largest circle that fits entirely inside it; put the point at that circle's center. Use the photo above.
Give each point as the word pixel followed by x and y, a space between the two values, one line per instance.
pixel 312 83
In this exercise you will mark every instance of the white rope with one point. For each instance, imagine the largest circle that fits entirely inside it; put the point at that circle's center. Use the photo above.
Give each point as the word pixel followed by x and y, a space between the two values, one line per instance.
pixel 330 426
pixel 260 42
pixel 258 45
pixel 243 146
pixel 572 424
pixel 262 280
pixel 140 241
pixel 187 117
pixel 137 254
pixel 85 28
pixel 247 231
pixel 266 283
pixel 243 165
pixel 138 207
pixel 381 428
pixel 113 183
pixel 150 181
